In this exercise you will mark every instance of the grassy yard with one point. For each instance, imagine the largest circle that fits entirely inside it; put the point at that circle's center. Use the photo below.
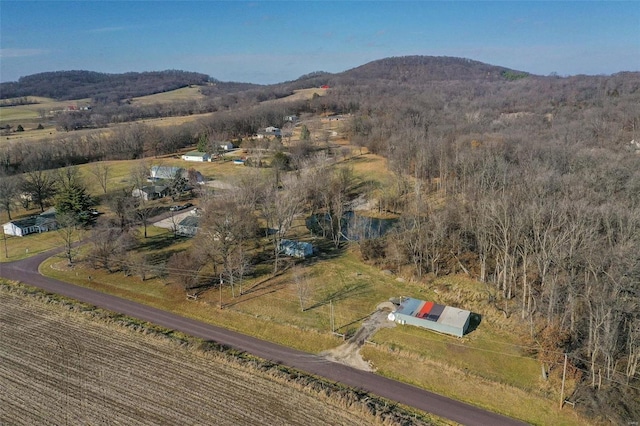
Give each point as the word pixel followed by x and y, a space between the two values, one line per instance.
pixel 160 294
pixel 464 385
pixel 21 247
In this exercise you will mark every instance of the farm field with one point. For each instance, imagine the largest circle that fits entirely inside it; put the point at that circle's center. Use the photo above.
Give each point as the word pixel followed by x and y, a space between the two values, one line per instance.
pixel 35 111
pixel 177 95
pixel 63 367
pixel 29 116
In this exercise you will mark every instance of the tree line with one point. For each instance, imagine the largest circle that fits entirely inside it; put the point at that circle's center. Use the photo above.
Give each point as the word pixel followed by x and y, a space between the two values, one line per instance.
pixel 101 87
pixel 533 188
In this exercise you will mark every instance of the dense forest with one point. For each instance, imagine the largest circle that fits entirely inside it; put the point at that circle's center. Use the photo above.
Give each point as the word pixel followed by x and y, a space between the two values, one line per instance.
pixel 530 184
pixel 100 87
pixel 541 188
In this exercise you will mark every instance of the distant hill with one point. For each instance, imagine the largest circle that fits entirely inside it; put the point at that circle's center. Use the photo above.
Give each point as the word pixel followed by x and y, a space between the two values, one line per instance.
pixel 420 69
pixel 101 87
pixel 105 88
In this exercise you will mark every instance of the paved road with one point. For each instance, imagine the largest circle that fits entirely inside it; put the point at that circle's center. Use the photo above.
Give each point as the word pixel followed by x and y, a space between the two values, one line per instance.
pixel 27 271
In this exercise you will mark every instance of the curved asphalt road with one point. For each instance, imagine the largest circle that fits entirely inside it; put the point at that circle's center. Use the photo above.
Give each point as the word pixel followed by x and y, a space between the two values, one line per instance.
pixel 26 271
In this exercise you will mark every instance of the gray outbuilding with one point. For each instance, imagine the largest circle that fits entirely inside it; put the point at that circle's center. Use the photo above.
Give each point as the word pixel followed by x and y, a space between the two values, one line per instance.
pixel 432 316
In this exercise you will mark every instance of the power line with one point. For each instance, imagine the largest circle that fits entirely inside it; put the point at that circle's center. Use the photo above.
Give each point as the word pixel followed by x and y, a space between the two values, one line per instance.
pixel 608 379
pixel 191 272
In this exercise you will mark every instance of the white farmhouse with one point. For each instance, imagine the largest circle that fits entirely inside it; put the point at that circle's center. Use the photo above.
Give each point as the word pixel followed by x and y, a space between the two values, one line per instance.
pixel 269 132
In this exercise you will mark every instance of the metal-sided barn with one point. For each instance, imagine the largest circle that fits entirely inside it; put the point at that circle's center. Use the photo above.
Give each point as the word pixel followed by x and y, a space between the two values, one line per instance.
pixel 430 315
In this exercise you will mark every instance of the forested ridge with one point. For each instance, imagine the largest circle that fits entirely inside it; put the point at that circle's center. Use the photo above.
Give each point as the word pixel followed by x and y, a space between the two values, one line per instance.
pixel 104 87
pixel 531 184
pixel 100 87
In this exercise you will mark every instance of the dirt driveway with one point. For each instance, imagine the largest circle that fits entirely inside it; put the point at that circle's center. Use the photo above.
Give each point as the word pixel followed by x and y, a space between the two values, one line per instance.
pixel 349 352
pixel 174 219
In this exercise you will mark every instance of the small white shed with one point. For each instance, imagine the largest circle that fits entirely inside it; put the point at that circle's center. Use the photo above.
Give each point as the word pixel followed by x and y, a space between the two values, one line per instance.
pixel 196 156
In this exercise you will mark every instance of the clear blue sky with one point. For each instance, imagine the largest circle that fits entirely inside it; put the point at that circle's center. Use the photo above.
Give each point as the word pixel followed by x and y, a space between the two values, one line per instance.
pixel 271 41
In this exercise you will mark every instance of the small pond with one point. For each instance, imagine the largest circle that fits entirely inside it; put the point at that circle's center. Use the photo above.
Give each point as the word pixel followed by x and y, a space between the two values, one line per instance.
pixel 354 226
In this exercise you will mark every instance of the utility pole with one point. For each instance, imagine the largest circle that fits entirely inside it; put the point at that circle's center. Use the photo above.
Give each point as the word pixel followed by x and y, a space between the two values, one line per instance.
pixel 564 375
pixel 331 320
pixel 6 251
pixel 220 286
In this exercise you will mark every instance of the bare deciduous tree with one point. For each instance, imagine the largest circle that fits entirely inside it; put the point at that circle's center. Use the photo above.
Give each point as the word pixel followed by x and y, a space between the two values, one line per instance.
pixel 9 192
pixel 69 231
pixel 279 207
pixel 303 286
pixel 40 185
pixel 224 229
pixel 184 269
pixel 101 172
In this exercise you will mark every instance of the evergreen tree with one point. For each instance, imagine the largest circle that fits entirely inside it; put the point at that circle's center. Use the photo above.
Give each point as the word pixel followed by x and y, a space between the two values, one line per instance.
pixel 305 134
pixel 72 197
pixel 202 143
pixel 178 185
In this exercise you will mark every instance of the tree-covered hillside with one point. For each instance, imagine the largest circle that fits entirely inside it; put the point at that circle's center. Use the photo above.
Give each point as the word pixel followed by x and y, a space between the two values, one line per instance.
pixel 416 69
pixel 101 87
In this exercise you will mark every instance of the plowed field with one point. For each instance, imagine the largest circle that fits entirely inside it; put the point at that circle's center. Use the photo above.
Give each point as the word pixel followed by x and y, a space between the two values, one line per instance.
pixel 61 367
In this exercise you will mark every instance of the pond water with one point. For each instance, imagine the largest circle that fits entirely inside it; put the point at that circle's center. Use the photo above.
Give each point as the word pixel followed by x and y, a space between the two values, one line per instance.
pixel 354 227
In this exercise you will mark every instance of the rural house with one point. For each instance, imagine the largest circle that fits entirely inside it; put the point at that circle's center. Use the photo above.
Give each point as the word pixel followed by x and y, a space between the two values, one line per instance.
pixel 44 222
pixel 196 156
pixel 188 227
pixel 151 192
pixel 269 132
pixel 226 146
pixel 296 248
pixel 432 316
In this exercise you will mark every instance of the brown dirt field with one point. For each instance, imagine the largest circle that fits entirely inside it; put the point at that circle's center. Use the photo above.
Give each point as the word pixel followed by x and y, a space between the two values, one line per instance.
pixel 62 367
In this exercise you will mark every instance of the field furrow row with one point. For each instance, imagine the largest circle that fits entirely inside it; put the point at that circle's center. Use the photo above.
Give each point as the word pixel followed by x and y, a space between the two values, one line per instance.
pixel 60 367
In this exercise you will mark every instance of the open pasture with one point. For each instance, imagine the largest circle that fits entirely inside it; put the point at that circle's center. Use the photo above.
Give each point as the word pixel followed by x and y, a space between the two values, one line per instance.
pixel 62 367
pixel 41 110
pixel 178 95
pixel 300 95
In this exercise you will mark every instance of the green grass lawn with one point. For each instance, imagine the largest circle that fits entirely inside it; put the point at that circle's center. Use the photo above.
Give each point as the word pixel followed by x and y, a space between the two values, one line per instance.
pixel 21 247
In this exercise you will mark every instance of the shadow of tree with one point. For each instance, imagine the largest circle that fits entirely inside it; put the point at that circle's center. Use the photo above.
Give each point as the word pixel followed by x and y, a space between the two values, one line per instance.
pixel 355 321
pixel 159 242
pixel 341 294
pixel 474 322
